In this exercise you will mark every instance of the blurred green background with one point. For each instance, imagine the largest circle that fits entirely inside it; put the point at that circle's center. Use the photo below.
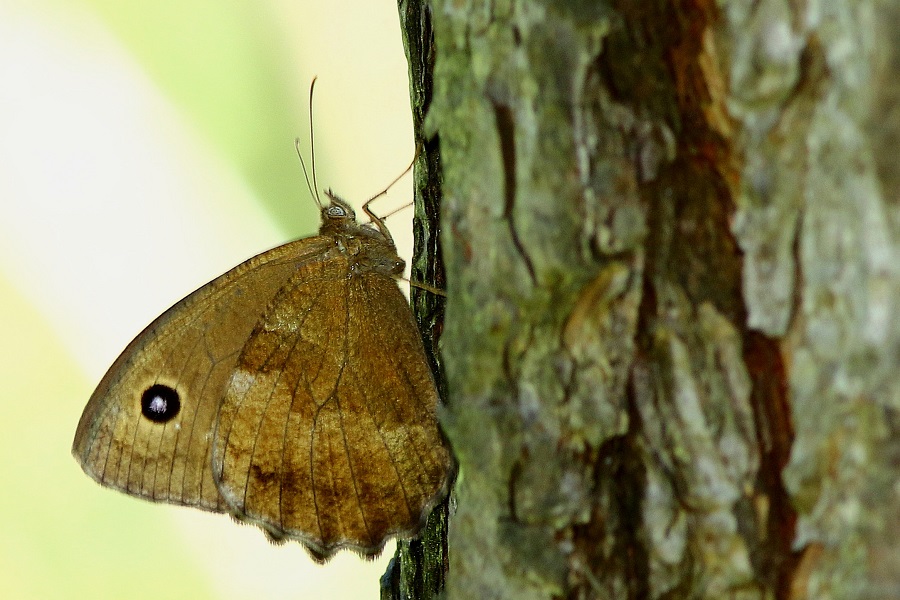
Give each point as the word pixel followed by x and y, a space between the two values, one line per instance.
pixel 144 149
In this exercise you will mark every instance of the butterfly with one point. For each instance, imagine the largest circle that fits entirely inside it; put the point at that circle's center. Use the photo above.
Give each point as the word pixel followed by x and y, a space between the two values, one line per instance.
pixel 292 392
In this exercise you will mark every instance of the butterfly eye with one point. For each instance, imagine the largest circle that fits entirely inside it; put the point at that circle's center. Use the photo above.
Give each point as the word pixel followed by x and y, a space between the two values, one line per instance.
pixel 160 403
pixel 336 211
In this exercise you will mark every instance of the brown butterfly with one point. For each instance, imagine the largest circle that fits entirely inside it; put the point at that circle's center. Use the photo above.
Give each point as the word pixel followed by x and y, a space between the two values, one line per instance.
pixel 292 392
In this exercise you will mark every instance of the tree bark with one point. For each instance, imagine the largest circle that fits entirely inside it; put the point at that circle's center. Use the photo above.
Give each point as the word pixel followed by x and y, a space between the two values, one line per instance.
pixel 419 566
pixel 672 327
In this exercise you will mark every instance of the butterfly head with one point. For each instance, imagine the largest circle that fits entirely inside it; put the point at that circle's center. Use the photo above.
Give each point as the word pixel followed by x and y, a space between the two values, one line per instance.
pixel 372 248
pixel 339 219
pixel 337 214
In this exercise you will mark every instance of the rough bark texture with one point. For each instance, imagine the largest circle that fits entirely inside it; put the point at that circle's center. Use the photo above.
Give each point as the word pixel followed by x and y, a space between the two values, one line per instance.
pixel 419 566
pixel 672 329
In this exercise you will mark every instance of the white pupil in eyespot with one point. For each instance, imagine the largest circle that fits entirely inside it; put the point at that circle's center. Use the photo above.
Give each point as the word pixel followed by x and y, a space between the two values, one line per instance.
pixel 157 405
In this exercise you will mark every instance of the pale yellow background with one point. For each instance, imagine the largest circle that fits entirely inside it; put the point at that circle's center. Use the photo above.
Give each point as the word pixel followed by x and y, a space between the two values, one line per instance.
pixel 146 147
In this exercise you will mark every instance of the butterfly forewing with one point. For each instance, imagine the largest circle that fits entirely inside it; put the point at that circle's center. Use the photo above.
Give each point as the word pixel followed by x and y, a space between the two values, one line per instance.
pixel 192 349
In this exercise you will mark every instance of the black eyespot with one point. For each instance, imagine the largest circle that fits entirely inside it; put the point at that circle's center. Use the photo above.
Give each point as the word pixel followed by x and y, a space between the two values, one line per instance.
pixel 160 403
pixel 336 211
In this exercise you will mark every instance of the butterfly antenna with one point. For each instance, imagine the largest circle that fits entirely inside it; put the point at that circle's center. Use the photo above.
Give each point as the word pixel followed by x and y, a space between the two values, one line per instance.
pixel 313 189
pixel 312 143
pixel 312 192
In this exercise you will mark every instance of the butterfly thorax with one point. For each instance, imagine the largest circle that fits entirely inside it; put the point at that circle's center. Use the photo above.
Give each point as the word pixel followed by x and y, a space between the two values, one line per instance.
pixel 368 248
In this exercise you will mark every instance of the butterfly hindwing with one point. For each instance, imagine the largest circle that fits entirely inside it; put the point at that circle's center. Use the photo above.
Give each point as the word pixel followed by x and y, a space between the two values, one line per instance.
pixel 326 434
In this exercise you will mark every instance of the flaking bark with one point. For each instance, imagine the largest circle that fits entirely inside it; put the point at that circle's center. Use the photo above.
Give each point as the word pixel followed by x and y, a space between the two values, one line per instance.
pixel 672 331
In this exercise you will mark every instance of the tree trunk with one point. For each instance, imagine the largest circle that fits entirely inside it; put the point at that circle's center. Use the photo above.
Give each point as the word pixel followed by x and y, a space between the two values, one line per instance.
pixel 419 567
pixel 672 328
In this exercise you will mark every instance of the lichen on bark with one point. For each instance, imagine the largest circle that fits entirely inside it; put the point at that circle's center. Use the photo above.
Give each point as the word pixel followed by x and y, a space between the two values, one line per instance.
pixel 672 276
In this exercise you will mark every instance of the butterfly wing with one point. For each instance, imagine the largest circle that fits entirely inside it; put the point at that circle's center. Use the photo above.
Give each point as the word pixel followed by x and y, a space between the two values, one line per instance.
pixel 328 431
pixel 191 349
